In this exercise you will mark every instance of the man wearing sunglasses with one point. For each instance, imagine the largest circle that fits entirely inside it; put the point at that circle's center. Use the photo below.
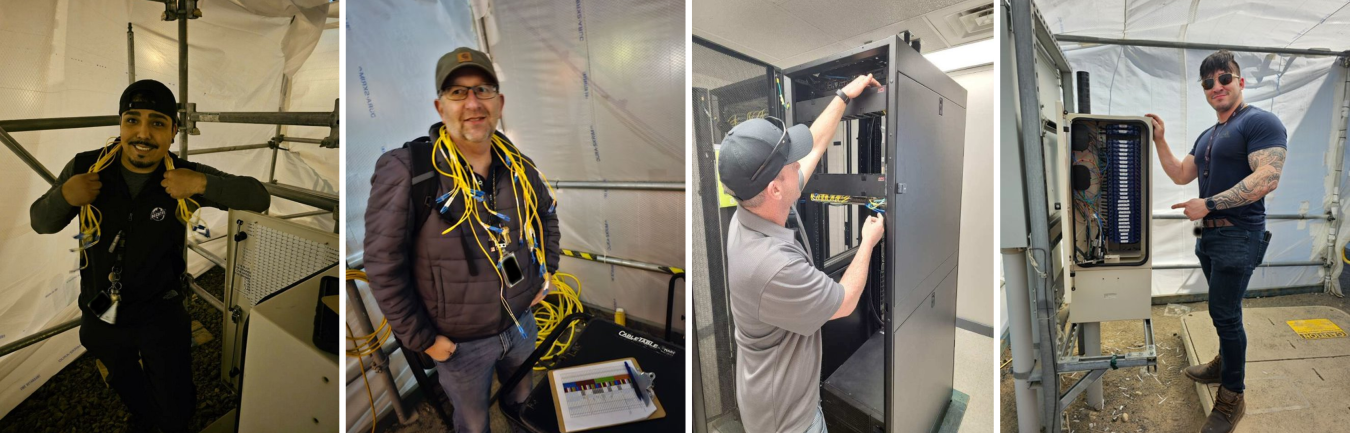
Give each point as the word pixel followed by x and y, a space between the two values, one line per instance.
pixel 438 289
pixel 779 300
pixel 1238 161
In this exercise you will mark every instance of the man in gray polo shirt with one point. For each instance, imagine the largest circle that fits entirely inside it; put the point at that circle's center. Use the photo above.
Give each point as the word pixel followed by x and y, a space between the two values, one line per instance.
pixel 779 300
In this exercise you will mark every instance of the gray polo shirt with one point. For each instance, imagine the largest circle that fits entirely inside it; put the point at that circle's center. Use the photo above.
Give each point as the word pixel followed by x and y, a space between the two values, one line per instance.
pixel 779 301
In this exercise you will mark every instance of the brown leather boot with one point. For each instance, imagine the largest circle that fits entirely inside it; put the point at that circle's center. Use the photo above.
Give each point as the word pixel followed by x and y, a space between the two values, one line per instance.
pixel 1228 410
pixel 1206 373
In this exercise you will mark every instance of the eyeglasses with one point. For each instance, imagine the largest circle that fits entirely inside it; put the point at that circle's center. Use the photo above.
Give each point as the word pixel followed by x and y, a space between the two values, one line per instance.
pixel 459 93
pixel 775 147
pixel 1224 80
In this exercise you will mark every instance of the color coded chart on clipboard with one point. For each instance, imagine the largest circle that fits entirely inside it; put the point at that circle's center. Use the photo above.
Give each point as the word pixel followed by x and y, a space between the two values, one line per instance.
pixel 599 395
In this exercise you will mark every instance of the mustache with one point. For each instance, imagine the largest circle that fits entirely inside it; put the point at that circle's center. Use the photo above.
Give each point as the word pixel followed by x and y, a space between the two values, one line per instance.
pixel 143 142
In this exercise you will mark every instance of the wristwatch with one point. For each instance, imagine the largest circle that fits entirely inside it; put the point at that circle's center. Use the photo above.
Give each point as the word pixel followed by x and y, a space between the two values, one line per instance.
pixel 843 96
pixel 1209 204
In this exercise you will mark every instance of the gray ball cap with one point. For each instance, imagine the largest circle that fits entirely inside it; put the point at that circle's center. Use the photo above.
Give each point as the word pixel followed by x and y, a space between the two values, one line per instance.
pixel 747 146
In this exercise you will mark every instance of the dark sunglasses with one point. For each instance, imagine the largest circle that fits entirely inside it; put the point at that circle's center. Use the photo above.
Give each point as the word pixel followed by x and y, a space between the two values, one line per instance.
pixel 1224 80
pixel 775 147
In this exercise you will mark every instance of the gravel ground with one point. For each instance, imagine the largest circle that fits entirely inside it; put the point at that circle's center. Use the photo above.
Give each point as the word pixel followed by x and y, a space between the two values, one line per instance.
pixel 1161 402
pixel 76 400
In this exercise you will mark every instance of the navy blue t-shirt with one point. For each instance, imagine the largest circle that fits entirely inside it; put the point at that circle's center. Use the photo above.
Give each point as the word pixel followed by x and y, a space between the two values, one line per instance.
pixel 1250 129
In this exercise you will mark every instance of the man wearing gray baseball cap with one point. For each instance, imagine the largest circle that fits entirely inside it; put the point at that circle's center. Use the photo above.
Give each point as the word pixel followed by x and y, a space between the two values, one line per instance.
pixel 779 300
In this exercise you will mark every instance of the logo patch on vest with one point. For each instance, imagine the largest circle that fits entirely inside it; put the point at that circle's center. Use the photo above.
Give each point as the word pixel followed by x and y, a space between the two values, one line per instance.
pixel 157 214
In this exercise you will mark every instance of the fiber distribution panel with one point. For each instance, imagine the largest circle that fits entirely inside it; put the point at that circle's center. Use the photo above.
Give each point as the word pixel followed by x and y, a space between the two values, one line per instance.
pixel 1109 195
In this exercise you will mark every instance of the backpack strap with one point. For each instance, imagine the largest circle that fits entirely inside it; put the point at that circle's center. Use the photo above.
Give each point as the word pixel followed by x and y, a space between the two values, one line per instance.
pixel 422 187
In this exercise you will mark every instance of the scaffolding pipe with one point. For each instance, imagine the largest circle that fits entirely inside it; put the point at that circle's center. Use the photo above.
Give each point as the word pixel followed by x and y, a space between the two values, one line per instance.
pixel 1019 334
pixel 281 107
pixel 207 255
pixel 229 148
pixel 26 157
pixel 21 125
pixel 131 55
pixel 183 78
pixel 321 200
pixel 622 262
pixel 207 296
pixel 305 214
pixel 298 118
pixel 38 337
pixel 363 326
pixel 1198 46
pixel 300 139
pixel 637 186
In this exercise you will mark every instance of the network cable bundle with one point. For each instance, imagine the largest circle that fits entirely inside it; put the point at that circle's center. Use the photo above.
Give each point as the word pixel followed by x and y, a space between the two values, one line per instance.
pixel 1108 192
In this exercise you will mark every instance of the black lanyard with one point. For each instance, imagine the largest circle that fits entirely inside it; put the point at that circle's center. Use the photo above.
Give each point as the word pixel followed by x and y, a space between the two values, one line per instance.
pixel 1209 160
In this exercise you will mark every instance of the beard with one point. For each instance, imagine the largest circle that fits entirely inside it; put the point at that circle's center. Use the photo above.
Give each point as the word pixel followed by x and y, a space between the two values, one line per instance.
pixel 131 158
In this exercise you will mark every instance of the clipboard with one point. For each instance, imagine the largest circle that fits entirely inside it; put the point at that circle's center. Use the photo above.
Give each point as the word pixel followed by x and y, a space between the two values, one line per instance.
pixel 558 407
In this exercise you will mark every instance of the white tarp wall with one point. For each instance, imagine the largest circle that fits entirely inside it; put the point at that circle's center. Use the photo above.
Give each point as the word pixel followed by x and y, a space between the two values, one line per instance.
pixel 69 59
pixel 594 92
pixel 1303 91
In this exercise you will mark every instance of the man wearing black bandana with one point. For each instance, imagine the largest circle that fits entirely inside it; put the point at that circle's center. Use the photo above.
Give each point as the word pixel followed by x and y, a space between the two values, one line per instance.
pixel 141 246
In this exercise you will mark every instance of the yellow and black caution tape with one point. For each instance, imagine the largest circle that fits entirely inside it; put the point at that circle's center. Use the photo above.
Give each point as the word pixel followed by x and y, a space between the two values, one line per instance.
pixel 602 258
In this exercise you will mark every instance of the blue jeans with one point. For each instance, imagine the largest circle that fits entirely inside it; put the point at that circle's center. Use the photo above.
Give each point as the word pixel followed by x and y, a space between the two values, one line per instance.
pixel 818 424
pixel 467 375
pixel 1227 256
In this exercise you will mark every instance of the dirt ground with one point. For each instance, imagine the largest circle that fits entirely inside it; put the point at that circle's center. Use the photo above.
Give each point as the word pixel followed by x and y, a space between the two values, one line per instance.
pixel 1137 400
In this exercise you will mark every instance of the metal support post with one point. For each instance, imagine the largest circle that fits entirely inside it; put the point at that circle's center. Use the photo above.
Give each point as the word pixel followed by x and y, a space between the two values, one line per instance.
pixel 1019 332
pixel 207 296
pixel 298 118
pixel 363 326
pixel 38 337
pixel 21 125
pixel 1199 46
pixel 186 126
pixel 321 200
pixel 229 148
pixel 131 55
pixel 26 157
pixel 1092 346
pixel 636 186
pixel 1033 163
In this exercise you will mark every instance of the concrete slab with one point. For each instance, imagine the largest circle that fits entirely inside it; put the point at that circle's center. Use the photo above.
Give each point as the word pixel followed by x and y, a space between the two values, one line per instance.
pixel 1293 384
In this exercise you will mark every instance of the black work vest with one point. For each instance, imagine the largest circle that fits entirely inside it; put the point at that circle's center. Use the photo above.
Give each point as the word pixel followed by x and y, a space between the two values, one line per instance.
pixel 152 253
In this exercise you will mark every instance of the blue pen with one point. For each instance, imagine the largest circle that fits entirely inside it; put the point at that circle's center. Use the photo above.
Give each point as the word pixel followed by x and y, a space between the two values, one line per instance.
pixel 632 381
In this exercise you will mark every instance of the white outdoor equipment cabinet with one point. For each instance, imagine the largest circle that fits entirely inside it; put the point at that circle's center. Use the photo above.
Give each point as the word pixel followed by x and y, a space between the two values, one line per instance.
pixel 1108 195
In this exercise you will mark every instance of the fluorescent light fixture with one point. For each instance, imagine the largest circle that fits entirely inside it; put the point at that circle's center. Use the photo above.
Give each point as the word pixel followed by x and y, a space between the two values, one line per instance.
pixel 965 56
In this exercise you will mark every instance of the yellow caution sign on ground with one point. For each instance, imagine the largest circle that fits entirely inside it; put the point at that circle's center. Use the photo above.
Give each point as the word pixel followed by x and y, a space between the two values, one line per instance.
pixel 1316 329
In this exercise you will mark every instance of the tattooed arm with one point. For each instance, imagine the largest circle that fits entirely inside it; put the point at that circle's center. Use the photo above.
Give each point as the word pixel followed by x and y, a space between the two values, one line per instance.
pixel 1267 165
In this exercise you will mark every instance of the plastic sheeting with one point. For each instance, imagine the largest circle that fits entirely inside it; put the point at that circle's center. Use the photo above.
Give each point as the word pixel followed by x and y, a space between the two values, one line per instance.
pixel 1302 91
pixel 594 91
pixel 67 59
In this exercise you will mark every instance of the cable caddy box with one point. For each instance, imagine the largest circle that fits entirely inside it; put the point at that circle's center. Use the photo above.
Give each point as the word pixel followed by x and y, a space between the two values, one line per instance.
pixel 1108 166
